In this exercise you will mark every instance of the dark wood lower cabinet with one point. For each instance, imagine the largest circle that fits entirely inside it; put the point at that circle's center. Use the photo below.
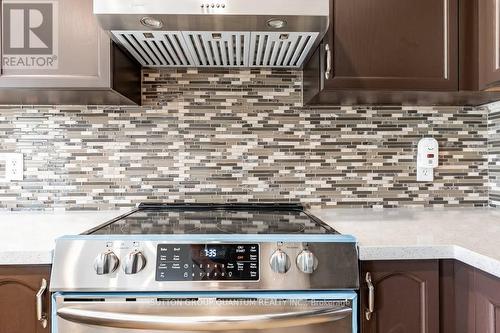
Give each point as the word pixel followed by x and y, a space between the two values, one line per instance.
pixel 406 297
pixel 18 288
pixel 457 297
pixel 487 303
pixel 428 296
pixel 412 296
pixel 470 299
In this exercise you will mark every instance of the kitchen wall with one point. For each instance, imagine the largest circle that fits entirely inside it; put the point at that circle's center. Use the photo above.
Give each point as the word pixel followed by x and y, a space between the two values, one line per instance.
pixel 241 135
pixel 494 153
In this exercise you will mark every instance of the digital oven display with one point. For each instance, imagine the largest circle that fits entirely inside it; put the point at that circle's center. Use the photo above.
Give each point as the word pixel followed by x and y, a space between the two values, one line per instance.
pixel 207 262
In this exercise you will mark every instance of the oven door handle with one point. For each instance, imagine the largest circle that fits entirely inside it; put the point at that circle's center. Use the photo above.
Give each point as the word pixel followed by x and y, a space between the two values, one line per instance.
pixel 203 323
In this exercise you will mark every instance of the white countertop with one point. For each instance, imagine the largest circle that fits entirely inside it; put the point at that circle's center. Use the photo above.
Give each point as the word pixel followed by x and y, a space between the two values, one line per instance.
pixel 471 235
pixel 29 237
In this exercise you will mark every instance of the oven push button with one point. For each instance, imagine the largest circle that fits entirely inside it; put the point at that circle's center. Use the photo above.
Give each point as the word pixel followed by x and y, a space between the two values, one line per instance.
pixel 106 263
pixel 134 263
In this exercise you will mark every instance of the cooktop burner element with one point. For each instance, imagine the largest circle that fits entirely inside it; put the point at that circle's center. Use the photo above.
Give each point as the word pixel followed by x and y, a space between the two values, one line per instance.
pixel 159 219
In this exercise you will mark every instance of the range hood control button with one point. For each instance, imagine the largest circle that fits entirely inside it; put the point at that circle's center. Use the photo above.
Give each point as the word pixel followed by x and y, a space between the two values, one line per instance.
pixel 134 263
pixel 307 262
pixel 280 262
pixel 106 263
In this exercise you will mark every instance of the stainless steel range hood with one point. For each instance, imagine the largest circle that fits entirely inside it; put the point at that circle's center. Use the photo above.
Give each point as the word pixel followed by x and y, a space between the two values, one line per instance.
pixel 216 33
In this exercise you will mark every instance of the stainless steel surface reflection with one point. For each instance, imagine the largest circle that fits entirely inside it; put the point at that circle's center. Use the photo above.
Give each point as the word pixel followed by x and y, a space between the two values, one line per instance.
pixel 164 222
pixel 74 260
pixel 242 268
pixel 202 314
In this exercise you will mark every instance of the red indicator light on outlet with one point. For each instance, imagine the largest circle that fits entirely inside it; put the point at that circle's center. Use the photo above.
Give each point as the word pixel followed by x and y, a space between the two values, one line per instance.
pixel 430 155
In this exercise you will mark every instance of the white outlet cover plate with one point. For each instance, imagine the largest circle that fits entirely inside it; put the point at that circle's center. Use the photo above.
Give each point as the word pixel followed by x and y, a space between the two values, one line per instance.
pixel 14 166
pixel 425 174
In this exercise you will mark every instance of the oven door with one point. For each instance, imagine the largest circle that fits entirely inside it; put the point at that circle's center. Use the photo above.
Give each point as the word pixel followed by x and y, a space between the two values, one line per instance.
pixel 276 312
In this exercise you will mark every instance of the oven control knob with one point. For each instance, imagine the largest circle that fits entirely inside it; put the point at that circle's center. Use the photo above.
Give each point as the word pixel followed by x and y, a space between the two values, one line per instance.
pixel 134 263
pixel 307 262
pixel 280 262
pixel 106 263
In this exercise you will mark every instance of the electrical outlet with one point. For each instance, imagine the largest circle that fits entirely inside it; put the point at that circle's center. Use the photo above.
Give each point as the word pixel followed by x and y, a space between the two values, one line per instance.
pixel 427 159
pixel 425 174
pixel 14 166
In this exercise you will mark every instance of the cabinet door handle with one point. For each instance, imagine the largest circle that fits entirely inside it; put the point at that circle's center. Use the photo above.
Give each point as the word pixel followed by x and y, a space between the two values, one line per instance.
pixel 328 70
pixel 371 297
pixel 41 316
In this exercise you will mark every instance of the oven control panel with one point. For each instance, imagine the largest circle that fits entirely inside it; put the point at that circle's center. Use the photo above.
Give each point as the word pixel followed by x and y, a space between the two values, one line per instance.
pixel 207 262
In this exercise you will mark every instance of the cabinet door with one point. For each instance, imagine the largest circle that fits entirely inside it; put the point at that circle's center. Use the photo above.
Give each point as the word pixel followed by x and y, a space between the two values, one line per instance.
pixel 489 44
pixel 487 290
pixel 18 288
pixel 457 297
pixel 394 45
pixel 406 297
pixel 67 50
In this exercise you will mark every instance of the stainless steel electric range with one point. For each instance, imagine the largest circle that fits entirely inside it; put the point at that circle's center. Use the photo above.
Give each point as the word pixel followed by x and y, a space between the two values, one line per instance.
pixel 206 267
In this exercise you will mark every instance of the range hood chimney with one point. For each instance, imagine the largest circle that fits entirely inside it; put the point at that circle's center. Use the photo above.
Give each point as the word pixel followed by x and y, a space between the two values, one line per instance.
pixel 216 33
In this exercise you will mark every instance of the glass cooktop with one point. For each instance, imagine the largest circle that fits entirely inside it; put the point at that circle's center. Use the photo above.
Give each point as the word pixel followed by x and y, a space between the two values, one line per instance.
pixel 215 219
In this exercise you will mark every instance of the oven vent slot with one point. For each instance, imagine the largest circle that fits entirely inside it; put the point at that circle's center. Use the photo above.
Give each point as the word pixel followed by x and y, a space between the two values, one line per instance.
pixel 166 299
pixel 72 299
pixel 238 299
pixel 156 48
pixel 280 49
pixel 218 49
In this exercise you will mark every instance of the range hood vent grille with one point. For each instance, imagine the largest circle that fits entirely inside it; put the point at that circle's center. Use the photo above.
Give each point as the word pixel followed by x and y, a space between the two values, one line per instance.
pixel 156 48
pixel 217 49
pixel 280 49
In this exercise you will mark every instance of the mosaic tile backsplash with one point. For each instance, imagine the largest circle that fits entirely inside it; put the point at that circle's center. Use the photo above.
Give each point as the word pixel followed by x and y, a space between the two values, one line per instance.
pixel 494 153
pixel 240 135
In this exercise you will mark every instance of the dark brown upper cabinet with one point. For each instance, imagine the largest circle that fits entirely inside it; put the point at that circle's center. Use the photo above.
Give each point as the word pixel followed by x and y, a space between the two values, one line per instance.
pixel 427 52
pixel 394 45
pixel 19 287
pixel 404 294
pixel 87 68
pixel 489 44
